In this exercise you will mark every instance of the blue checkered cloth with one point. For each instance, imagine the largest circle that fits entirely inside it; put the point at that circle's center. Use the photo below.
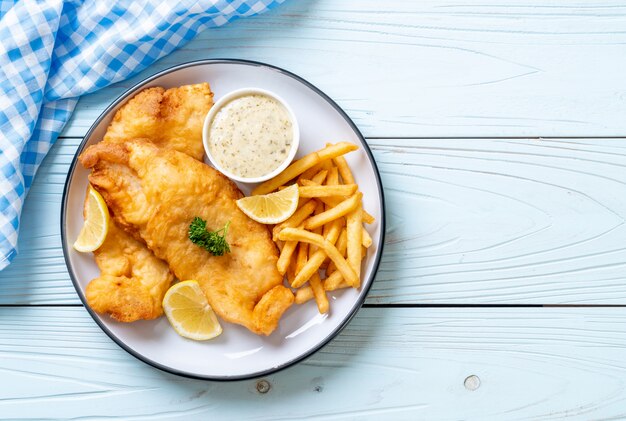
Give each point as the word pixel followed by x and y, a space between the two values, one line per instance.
pixel 54 51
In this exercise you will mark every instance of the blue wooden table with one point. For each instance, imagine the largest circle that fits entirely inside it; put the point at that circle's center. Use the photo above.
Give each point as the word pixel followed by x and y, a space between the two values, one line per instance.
pixel 500 133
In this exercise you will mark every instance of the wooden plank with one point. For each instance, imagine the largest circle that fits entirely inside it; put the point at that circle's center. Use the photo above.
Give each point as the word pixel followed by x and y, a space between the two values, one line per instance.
pixel 436 68
pixel 510 221
pixel 503 221
pixel 532 363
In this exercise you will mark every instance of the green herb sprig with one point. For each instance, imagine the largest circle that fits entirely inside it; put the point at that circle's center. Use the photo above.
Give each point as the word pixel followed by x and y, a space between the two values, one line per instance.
pixel 212 241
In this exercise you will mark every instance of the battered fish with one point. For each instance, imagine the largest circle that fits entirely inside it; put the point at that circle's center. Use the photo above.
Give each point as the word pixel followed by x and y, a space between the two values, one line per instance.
pixel 155 193
pixel 170 118
pixel 132 280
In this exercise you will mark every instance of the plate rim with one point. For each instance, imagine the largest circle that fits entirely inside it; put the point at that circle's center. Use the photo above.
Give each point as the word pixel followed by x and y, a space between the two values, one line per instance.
pixel 358 304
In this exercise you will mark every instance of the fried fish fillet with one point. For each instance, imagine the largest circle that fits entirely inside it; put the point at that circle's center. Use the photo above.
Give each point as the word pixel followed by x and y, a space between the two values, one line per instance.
pixel 132 280
pixel 170 118
pixel 155 193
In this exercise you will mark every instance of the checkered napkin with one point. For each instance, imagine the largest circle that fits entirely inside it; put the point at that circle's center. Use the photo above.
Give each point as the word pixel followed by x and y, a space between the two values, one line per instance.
pixel 54 51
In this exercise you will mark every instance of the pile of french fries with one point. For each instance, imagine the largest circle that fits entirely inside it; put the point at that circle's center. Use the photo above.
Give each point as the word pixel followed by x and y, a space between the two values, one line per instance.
pixel 323 242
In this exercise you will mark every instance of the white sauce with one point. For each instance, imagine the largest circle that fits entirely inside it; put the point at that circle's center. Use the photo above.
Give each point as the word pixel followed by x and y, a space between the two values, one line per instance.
pixel 251 135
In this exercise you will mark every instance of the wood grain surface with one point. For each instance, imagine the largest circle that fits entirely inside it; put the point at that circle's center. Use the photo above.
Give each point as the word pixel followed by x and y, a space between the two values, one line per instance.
pixel 400 364
pixel 469 68
pixel 470 221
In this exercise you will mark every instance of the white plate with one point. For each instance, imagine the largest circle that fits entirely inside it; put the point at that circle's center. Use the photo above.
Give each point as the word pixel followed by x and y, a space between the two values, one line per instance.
pixel 237 353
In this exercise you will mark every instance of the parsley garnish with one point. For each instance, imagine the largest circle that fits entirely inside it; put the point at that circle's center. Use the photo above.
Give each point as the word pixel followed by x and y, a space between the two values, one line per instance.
pixel 212 241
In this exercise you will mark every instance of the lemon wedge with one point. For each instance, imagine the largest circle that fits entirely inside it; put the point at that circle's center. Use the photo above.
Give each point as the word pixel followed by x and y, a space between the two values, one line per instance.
pixel 189 312
pixel 271 208
pixel 96 225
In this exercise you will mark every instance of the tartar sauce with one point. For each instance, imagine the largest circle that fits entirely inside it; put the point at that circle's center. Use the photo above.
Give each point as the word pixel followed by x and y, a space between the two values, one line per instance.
pixel 251 135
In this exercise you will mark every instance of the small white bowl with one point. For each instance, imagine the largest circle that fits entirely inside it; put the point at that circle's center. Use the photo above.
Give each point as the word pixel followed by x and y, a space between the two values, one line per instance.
pixel 236 94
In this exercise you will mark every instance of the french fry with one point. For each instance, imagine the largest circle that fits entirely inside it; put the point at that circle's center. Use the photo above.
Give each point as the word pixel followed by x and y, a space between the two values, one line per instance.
pixel 334 230
pixel 366 239
pixel 325 229
pixel 335 281
pixel 302 256
pixel 330 269
pixel 342 241
pixel 326 164
pixel 327 191
pixel 318 291
pixel 319 208
pixel 312 248
pixel 291 270
pixel 303 164
pixel 318 257
pixel 319 230
pixel 311 267
pixel 296 234
pixel 354 227
pixel 330 201
pixel 296 219
pixel 304 294
pixel 344 170
pixel 338 211
pixel 285 256
pixel 334 201
pixel 367 218
pixel 292 171
pixel 305 183
pixel 308 174
pixel 332 178
pixel 301 204
pixel 320 177
pixel 342 245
